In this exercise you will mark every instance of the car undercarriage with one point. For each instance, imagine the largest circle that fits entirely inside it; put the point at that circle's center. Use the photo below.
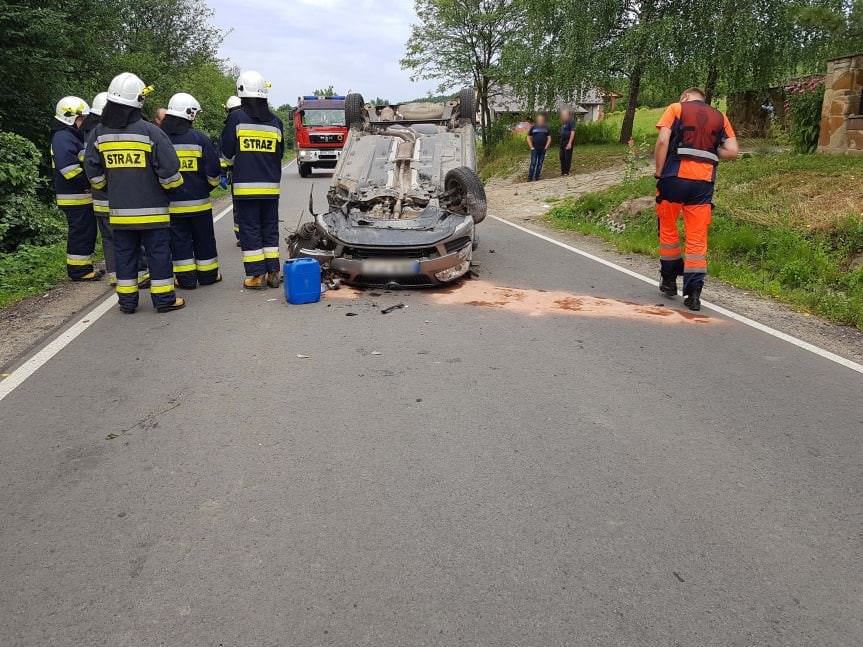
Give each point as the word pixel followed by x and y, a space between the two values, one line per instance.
pixel 405 198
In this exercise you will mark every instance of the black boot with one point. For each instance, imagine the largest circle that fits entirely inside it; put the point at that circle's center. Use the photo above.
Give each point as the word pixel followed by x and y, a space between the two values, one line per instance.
pixel 693 299
pixel 668 285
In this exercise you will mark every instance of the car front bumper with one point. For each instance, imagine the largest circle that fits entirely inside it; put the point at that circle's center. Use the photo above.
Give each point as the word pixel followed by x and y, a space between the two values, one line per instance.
pixel 361 266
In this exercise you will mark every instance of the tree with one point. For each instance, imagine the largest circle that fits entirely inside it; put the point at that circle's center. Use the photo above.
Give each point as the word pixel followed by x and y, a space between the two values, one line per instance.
pixel 460 42
pixel 329 91
pixel 168 43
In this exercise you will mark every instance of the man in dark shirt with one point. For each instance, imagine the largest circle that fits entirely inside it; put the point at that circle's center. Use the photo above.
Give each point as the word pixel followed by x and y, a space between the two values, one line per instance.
pixel 567 141
pixel 539 139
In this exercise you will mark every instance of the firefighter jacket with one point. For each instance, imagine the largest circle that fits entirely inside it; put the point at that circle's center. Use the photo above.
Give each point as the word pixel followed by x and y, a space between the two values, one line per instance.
pixel 139 166
pixel 70 182
pixel 100 196
pixel 199 166
pixel 252 150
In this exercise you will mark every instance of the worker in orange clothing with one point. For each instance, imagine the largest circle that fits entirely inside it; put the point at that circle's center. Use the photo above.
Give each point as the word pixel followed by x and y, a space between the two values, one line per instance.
pixel 693 137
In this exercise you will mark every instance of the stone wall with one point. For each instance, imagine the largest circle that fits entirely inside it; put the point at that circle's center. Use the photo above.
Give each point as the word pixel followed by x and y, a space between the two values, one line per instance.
pixel 842 113
pixel 747 115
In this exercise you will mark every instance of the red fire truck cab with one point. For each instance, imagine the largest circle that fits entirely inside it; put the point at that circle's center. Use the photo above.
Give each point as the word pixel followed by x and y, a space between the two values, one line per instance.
pixel 320 128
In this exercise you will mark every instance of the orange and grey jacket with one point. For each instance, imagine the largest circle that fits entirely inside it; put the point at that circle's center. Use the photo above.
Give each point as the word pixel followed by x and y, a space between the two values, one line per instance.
pixel 138 166
pixel 697 135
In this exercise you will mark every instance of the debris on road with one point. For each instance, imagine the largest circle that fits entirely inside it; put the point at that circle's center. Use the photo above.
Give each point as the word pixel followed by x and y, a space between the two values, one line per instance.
pixel 301 356
pixel 351 314
pixel 377 352
pixel 397 306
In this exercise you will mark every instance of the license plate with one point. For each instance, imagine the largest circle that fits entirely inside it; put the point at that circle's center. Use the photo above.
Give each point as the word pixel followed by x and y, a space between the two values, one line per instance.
pixel 390 267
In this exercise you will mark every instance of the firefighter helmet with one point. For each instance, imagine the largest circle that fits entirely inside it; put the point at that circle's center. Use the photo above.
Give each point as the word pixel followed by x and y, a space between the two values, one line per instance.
pixel 69 109
pixel 128 89
pixel 252 85
pixel 232 102
pixel 183 105
pixel 99 102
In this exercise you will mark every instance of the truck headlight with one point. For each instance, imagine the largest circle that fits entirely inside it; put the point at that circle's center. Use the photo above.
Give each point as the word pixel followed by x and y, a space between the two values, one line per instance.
pixel 453 272
pixel 302 153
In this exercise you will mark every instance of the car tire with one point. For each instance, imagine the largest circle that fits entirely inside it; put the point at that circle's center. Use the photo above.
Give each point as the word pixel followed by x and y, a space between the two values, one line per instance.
pixel 467 106
pixel 304 169
pixel 468 192
pixel 355 110
pixel 306 236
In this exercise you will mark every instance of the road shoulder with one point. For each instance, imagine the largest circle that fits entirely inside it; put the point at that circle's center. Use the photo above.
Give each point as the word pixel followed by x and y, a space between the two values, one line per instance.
pixel 842 340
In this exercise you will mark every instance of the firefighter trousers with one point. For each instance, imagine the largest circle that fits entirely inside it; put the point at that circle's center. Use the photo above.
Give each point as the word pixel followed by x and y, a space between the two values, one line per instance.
pixel 107 235
pixel 259 235
pixel 193 247
pixel 236 222
pixel 81 240
pixel 692 199
pixel 156 244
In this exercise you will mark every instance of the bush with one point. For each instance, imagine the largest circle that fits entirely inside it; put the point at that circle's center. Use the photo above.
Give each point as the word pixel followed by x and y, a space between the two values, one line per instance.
pixel 596 132
pixel 803 106
pixel 23 217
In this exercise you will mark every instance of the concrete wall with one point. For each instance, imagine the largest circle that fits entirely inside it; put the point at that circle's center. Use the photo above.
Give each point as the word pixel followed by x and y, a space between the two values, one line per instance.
pixel 841 118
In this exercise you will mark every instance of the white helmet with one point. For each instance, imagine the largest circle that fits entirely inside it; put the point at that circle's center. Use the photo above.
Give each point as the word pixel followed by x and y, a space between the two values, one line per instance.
pixel 69 109
pixel 252 84
pixel 128 89
pixel 99 102
pixel 232 102
pixel 183 105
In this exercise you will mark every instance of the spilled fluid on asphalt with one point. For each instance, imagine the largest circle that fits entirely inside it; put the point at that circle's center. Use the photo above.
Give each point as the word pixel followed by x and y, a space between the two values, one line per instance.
pixel 538 303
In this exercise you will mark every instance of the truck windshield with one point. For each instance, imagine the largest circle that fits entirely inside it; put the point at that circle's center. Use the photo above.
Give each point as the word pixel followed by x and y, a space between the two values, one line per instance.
pixel 324 118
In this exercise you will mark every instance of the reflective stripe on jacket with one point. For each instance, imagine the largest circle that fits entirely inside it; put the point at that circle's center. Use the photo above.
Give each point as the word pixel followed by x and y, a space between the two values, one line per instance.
pixel 696 135
pixel 137 166
pixel 67 169
pixel 199 166
pixel 253 150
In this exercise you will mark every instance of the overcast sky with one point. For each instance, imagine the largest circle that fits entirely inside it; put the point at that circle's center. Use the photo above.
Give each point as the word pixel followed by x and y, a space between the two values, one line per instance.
pixel 301 45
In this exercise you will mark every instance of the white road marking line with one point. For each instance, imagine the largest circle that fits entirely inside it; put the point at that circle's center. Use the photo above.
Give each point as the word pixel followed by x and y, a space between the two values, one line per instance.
pixel 13 380
pixel 805 345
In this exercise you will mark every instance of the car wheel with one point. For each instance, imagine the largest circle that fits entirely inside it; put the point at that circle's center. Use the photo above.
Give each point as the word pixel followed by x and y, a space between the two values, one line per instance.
pixel 355 110
pixel 467 105
pixel 304 169
pixel 306 236
pixel 465 193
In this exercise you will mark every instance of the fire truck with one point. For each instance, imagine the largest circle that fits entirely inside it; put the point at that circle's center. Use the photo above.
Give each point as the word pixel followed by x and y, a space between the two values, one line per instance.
pixel 319 123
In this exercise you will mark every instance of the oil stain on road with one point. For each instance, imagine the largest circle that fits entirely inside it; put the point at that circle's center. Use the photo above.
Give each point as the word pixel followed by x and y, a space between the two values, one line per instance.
pixel 537 303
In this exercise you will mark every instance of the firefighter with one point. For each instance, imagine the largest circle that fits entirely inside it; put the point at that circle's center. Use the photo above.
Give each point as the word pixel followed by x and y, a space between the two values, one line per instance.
pixel 72 189
pixel 193 241
pixel 137 163
pixel 693 137
pixel 100 202
pixel 252 146
pixel 231 105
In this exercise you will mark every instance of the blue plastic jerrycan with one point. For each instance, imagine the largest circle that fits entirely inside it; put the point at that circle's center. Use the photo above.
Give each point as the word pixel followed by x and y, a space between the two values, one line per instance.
pixel 302 280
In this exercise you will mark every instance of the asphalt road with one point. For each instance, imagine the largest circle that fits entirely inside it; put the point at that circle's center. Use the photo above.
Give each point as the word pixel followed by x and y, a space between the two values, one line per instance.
pixel 457 472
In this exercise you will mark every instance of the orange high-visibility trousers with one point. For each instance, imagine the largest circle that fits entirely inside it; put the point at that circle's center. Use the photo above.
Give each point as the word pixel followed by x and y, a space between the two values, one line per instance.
pixel 693 199
pixel 696 220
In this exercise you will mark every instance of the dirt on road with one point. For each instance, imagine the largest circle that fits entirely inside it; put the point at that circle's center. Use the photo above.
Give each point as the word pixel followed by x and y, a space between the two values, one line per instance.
pixel 526 203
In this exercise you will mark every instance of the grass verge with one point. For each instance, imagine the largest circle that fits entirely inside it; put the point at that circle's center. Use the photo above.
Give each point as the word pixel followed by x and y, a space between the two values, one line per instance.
pixel 787 226
pixel 30 271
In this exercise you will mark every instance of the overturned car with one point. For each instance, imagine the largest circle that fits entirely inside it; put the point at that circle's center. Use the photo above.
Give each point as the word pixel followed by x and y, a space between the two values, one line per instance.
pixel 405 197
